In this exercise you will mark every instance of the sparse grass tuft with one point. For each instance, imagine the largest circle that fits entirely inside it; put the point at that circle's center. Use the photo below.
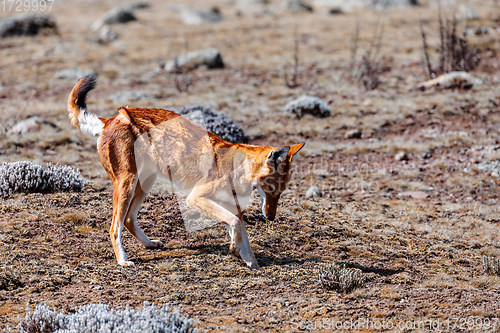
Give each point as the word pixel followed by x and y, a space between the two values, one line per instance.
pixel 71 218
pixel 454 52
pixel 486 282
pixel 293 81
pixel 340 278
pixel 369 72
pixel 8 281
pixel 491 265
pixel 181 79
pixel 369 67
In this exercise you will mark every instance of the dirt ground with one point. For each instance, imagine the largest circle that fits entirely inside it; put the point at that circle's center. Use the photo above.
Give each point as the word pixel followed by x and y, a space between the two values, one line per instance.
pixel 417 227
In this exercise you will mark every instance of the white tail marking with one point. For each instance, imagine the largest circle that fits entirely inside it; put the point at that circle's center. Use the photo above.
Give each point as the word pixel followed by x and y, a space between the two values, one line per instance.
pixel 90 124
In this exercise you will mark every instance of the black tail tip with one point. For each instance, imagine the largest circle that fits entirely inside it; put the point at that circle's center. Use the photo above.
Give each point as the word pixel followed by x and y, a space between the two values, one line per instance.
pixel 89 81
pixel 83 86
pixel 86 84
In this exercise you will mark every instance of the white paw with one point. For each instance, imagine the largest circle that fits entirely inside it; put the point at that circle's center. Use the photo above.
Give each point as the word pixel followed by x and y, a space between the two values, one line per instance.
pixel 126 263
pixel 253 265
pixel 155 244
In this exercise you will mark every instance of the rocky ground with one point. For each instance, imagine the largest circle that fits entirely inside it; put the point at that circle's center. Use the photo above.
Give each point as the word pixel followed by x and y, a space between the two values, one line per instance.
pixel 411 198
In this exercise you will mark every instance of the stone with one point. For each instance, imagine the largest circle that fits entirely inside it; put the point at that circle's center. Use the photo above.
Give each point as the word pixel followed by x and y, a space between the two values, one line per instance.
pixel 30 125
pixel 388 4
pixel 478 31
pixel 413 194
pixel 452 80
pixel 313 192
pixel 114 16
pixel 353 134
pixel 105 35
pixel 297 5
pixel 196 17
pixel 210 58
pixel 137 5
pixel 335 11
pixel 308 105
pixel 401 156
pixel 342 5
pixel 252 7
pixel 27 25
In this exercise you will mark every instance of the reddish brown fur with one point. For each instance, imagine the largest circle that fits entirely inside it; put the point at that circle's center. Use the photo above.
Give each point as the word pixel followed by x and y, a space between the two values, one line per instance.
pixel 118 157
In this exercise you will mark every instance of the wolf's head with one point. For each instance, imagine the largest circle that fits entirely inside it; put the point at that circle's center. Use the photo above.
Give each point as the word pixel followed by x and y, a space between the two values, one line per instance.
pixel 274 177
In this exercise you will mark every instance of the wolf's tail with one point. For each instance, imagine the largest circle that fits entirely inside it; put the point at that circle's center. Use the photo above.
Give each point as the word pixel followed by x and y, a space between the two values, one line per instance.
pixel 88 122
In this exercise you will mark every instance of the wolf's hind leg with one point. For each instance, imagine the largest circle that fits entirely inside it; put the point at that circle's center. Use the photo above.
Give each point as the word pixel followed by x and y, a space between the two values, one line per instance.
pixel 140 193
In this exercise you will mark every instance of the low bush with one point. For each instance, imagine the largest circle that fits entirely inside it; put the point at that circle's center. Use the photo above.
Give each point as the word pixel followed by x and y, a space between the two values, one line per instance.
pixel 96 318
pixel 24 176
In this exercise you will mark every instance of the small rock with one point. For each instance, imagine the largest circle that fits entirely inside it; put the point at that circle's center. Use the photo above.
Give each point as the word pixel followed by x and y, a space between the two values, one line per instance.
pixel 297 5
pixel 335 11
pixel 465 12
pixel 388 4
pixel 452 80
pixel 209 58
pixel 114 16
pixel 252 7
pixel 427 155
pixel 250 3
pixel 196 17
pixel 343 5
pixel 313 192
pixel 26 25
pixel 105 35
pixel 137 5
pixel 308 105
pixel 401 156
pixel 72 73
pixel 353 134
pixel 413 194
pixel 124 97
pixel 478 31
pixel 29 125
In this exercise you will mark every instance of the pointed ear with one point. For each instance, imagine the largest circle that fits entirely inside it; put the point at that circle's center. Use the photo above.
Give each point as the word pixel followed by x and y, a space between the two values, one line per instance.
pixel 294 150
pixel 278 155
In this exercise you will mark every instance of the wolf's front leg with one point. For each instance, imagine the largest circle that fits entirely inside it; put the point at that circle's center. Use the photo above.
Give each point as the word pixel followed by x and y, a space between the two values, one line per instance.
pixel 240 244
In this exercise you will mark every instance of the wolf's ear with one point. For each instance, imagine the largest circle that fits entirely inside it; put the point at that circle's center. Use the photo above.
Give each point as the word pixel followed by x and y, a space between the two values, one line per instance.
pixel 294 150
pixel 277 156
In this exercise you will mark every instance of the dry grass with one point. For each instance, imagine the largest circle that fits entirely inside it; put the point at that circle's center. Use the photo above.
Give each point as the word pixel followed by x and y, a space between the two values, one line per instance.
pixel 455 54
pixel 491 265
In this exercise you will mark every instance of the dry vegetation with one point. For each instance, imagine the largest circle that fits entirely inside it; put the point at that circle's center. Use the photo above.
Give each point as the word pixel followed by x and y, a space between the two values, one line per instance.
pixel 419 229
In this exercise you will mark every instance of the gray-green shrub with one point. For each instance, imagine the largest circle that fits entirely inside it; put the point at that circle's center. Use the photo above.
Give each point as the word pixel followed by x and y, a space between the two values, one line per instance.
pixel 24 176
pixel 97 318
